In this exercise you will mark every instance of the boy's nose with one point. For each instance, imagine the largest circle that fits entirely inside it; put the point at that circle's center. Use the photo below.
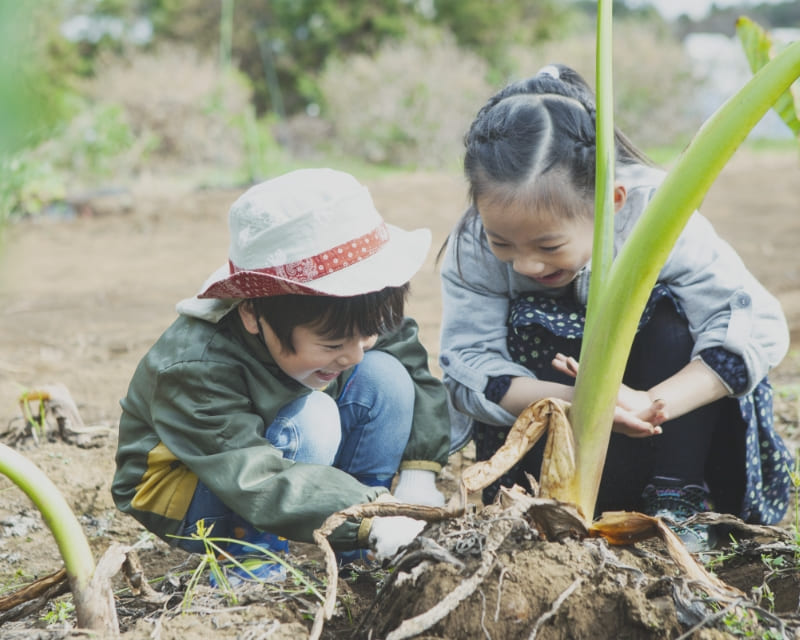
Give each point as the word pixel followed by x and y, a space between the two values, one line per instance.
pixel 351 355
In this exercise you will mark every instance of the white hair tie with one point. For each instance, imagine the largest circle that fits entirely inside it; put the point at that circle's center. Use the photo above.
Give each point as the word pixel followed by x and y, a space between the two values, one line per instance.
pixel 550 70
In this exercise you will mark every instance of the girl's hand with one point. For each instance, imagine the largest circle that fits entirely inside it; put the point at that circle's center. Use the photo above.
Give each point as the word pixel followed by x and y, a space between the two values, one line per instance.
pixel 642 425
pixel 565 364
pixel 635 415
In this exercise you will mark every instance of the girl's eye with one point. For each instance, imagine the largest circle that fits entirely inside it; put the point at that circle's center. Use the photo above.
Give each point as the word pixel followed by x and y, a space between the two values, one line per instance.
pixel 331 347
pixel 498 245
pixel 551 249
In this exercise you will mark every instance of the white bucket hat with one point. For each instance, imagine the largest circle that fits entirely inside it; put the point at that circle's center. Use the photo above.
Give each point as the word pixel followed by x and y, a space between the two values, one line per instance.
pixel 311 232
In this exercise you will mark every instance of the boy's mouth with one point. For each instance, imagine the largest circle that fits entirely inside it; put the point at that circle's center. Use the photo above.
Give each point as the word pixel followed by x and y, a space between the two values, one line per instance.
pixel 326 376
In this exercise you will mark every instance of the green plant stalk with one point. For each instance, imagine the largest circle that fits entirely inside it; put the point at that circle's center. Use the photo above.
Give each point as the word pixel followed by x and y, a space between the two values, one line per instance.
pixel 609 335
pixel 71 541
pixel 603 241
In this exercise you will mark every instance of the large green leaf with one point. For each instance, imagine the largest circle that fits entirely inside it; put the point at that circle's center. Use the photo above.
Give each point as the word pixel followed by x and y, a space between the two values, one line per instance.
pixel 608 337
pixel 760 49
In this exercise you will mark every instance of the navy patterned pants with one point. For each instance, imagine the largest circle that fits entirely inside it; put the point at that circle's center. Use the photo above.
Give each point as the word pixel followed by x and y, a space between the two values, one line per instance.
pixel 730 444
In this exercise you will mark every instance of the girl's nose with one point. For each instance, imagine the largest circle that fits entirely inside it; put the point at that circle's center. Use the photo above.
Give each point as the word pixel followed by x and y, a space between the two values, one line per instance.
pixel 528 266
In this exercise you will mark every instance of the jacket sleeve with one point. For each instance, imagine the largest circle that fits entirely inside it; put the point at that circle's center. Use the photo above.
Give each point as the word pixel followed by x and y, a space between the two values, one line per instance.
pixel 203 414
pixel 475 304
pixel 724 303
pixel 429 443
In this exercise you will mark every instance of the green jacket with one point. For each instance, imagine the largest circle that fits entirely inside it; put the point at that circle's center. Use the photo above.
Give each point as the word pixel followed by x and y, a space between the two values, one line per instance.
pixel 197 407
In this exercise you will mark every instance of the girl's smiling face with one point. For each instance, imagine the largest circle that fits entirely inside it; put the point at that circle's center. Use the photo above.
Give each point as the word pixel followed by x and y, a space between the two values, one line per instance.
pixel 546 247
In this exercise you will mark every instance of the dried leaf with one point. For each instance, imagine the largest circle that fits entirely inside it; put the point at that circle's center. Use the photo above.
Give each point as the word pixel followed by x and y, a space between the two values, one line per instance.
pixel 525 432
pixel 556 479
pixel 627 527
pixel 554 520
pixel 624 527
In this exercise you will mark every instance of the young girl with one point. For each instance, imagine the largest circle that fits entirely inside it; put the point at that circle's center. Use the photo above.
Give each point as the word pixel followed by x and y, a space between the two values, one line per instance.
pixel 515 279
pixel 292 386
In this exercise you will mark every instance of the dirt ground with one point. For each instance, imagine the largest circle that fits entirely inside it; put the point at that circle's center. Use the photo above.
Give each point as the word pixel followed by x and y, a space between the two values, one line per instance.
pixel 82 299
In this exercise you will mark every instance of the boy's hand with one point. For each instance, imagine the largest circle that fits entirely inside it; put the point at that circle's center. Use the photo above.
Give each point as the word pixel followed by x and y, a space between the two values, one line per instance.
pixel 390 533
pixel 418 486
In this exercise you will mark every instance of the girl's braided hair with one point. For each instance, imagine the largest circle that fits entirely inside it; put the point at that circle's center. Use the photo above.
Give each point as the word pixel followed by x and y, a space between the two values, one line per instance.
pixel 534 129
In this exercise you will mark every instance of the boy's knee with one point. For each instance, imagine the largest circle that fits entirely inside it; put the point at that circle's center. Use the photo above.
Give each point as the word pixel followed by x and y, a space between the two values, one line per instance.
pixel 388 373
pixel 321 425
pixel 308 429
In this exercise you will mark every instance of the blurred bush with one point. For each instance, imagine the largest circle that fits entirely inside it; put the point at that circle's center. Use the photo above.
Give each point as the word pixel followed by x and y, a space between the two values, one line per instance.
pixel 409 104
pixel 190 114
pixel 181 100
pixel 654 81
pixel 163 111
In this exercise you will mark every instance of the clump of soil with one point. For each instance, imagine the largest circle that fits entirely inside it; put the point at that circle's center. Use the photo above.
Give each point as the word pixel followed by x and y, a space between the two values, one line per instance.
pixel 490 575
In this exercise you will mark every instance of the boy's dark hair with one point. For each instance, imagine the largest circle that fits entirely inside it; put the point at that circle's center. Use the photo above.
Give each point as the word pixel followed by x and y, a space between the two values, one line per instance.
pixel 367 314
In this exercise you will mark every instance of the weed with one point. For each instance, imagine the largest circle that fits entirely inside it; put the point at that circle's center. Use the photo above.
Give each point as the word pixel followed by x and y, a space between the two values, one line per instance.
pixel 765 593
pixel 62 611
pixel 794 476
pixel 214 552
pixel 20 578
pixel 742 623
pixel 716 559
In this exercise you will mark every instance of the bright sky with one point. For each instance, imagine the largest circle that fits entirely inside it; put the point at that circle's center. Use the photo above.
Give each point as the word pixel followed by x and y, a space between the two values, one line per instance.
pixel 694 8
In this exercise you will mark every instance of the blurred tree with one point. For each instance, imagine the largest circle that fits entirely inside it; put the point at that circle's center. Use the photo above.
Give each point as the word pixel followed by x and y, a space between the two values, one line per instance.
pixel 287 39
pixel 488 28
pixel 290 40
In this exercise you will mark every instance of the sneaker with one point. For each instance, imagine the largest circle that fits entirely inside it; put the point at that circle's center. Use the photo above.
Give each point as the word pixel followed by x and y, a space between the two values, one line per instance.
pixel 253 566
pixel 670 499
pixel 361 556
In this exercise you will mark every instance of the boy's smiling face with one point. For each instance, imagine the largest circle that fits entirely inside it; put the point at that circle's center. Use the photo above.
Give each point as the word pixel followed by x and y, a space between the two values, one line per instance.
pixel 317 359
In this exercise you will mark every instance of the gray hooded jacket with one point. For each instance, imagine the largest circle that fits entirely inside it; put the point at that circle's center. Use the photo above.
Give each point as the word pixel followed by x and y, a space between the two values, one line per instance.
pixel 725 305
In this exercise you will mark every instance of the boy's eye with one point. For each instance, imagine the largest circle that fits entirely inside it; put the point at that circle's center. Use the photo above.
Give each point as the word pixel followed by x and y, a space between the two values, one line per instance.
pixel 551 249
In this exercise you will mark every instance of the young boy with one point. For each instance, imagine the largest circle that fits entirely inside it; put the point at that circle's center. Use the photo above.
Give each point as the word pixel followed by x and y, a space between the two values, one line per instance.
pixel 292 386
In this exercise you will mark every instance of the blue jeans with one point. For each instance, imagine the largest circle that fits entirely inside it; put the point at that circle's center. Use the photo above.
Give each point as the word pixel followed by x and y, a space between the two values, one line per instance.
pixel 363 432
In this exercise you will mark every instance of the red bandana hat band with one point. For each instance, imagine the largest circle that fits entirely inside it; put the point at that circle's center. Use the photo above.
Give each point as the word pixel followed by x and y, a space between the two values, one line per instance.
pixel 331 260
pixel 287 278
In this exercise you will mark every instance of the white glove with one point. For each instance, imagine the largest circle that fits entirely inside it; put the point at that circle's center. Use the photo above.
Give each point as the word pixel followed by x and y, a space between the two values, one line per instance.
pixel 418 486
pixel 389 533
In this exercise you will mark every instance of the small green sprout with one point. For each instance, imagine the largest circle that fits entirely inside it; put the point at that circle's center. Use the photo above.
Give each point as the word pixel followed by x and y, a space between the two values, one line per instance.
pixel 37 422
pixel 214 552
